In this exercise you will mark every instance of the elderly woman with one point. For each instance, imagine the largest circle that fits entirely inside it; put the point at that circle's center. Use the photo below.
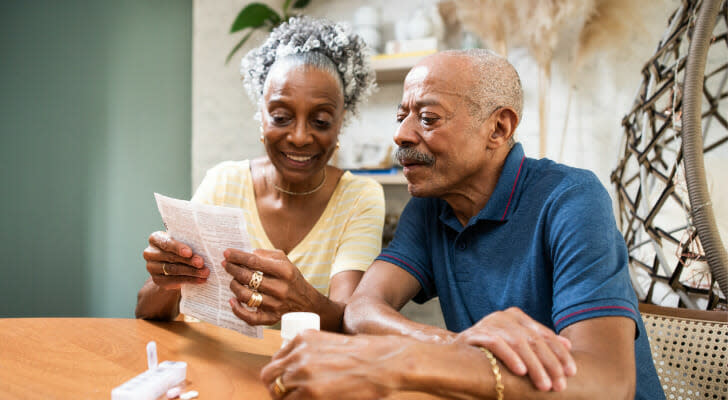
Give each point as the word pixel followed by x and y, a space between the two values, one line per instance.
pixel 315 228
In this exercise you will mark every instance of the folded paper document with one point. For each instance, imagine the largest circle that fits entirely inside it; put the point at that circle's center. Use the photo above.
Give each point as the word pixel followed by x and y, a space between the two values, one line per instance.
pixel 209 231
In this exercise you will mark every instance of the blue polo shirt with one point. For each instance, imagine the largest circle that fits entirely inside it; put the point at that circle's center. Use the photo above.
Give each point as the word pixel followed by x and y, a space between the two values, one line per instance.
pixel 546 242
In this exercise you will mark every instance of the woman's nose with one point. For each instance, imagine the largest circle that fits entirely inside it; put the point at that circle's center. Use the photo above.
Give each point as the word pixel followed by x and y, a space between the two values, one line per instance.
pixel 300 135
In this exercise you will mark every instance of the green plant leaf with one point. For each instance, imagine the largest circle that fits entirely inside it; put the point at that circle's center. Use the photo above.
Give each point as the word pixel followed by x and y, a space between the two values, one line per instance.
pixel 238 46
pixel 254 15
pixel 301 3
pixel 285 6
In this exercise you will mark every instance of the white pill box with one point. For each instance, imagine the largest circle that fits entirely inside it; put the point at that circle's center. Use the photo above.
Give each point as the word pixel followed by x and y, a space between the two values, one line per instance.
pixel 152 383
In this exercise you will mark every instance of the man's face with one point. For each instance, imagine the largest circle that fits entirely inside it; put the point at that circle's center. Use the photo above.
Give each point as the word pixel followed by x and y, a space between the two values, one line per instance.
pixel 441 144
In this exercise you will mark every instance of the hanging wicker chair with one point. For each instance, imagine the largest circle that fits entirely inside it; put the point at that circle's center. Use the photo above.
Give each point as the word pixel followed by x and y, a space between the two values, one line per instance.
pixel 680 114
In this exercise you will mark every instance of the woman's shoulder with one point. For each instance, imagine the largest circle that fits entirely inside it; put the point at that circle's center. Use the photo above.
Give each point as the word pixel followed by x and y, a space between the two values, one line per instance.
pixel 358 184
pixel 226 170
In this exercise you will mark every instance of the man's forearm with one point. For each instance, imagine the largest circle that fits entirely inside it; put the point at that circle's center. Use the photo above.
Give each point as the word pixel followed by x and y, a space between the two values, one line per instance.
pixel 458 371
pixel 374 316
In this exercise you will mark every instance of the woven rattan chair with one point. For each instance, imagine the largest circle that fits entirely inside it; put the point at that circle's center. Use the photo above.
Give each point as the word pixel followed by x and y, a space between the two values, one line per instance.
pixel 690 351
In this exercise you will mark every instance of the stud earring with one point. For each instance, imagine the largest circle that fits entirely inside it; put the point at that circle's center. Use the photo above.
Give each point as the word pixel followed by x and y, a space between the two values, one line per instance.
pixel 338 145
pixel 262 139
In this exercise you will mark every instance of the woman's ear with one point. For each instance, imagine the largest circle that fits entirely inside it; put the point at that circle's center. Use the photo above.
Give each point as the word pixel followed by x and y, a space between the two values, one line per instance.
pixel 505 121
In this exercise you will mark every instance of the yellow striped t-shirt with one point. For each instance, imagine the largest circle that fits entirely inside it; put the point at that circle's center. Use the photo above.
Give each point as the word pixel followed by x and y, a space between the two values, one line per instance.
pixel 347 236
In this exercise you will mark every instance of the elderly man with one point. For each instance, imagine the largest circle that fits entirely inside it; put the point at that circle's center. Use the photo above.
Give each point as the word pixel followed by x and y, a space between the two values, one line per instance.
pixel 517 250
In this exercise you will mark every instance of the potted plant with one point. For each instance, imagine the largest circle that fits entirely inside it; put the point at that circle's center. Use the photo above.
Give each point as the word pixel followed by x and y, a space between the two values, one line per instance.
pixel 258 15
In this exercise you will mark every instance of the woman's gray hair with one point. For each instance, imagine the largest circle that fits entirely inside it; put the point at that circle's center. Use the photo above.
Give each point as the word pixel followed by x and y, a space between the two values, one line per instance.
pixel 292 41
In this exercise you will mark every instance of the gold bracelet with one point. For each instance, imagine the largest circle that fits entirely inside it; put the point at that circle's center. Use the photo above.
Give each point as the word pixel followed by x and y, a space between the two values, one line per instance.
pixel 496 371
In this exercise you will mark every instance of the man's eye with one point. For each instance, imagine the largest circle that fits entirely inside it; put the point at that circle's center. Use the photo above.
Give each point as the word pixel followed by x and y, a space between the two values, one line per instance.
pixel 427 120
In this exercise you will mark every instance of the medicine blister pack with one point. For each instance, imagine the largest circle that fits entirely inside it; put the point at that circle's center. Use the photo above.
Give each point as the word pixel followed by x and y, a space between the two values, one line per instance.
pixel 152 383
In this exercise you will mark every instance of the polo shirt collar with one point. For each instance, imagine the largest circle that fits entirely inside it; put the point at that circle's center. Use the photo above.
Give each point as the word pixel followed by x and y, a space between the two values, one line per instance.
pixel 499 206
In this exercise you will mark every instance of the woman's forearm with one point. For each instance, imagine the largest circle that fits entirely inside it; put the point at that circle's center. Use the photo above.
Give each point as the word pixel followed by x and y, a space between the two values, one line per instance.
pixel 154 302
pixel 331 312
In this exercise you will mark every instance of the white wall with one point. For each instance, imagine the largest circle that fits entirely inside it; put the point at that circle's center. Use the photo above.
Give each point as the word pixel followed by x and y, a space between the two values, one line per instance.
pixel 223 125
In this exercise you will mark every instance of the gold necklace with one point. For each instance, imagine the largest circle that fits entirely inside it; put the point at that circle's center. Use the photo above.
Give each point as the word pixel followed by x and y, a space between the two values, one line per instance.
pixel 314 190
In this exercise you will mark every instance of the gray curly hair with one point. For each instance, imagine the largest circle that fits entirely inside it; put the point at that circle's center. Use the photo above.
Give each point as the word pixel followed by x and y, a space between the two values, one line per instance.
pixel 302 40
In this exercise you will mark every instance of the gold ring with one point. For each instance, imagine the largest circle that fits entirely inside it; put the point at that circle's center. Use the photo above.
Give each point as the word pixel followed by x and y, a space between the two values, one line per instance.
pixel 278 387
pixel 256 280
pixel 164 269
pixel 255 300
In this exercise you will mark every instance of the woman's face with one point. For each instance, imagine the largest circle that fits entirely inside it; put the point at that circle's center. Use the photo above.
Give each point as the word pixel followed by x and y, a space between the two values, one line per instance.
pixel 302 114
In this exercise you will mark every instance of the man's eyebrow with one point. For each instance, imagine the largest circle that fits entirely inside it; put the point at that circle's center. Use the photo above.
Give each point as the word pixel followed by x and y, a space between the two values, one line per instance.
pixel 422 103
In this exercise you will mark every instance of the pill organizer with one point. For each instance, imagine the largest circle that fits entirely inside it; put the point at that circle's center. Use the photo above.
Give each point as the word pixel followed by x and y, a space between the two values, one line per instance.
pixel 152 383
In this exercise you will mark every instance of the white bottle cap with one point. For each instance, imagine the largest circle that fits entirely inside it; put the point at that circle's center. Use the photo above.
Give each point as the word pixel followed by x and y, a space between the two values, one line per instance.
pixel 294 323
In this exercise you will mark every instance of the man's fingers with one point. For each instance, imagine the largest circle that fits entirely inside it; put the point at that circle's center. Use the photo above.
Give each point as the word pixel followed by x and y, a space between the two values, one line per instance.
pixel 501 350
pixel 165 242
pixel 536 371
pixel 565 341
pixel 563 353
pixel 551 364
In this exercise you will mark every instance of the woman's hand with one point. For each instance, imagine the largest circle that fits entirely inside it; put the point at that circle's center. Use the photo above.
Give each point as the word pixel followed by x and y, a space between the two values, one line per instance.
pixel 171 263
pixel 525 347
pixel 283 288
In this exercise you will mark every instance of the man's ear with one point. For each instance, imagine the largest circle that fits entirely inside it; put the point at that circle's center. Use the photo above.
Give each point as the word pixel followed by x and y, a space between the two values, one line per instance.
pixel 504 122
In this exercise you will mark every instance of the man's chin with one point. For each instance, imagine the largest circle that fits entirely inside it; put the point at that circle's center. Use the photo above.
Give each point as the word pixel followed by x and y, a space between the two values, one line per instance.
pixel 420 189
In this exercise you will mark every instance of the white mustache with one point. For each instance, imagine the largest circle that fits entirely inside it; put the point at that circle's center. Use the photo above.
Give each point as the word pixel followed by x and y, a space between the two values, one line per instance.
pixel 405 154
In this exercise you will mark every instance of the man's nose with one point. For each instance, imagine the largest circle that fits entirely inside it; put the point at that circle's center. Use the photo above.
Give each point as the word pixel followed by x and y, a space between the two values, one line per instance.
pixel 407 134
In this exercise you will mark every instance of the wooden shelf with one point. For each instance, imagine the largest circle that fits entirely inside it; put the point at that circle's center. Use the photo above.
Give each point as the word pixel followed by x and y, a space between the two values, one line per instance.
pixel 386 179
pixel 394 67
pixel 391 179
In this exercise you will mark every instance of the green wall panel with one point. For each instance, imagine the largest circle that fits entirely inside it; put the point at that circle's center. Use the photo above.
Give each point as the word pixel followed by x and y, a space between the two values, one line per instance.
pixel 95 101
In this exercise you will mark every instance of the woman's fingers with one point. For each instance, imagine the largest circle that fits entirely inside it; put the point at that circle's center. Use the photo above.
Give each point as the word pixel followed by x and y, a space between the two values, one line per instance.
pixel 175 269
pixel 268 284
pixel 253 317
pixel 175 282
pixel 270 262
pixel 152 253
pixel 165 242
pixel 243 294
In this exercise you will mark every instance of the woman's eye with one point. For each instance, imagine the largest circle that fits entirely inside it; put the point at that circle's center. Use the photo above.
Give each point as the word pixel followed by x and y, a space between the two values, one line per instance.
pixel 321 123
pixel 280 119
pixel 400 118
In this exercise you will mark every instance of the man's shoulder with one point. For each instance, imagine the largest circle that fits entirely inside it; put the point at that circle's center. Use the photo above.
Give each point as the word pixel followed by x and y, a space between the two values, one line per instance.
pixel 548 177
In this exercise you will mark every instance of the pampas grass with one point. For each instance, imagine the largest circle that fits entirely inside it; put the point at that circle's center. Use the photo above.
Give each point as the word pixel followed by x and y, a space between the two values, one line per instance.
pixel 600 27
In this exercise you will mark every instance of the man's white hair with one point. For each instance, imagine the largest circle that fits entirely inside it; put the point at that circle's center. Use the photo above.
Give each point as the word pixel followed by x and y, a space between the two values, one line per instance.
pixel 495 82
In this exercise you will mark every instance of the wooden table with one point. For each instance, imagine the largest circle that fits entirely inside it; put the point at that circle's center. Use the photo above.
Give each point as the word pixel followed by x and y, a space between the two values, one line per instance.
pixel 84 358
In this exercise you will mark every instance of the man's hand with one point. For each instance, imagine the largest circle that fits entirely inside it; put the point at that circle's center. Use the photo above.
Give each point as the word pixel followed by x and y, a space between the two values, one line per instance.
pixel 525 347
pixel 321 365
